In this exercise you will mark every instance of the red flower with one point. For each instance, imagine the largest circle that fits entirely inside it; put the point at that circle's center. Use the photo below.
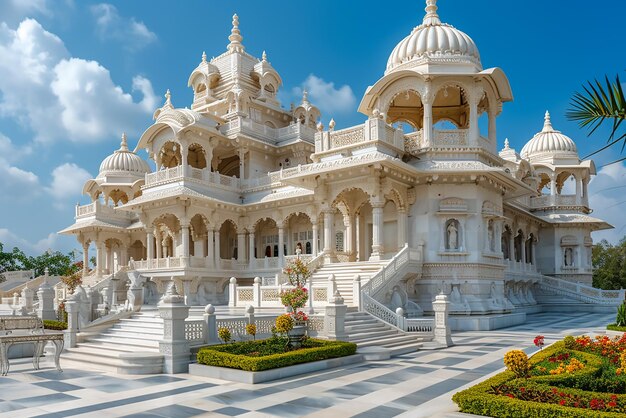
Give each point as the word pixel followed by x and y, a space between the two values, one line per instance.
pixel 510 395
pixel 562 402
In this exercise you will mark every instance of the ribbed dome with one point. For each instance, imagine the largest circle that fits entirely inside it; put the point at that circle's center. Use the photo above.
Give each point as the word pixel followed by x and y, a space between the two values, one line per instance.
pixel 434 42
pixel 125 161
pixel 549 143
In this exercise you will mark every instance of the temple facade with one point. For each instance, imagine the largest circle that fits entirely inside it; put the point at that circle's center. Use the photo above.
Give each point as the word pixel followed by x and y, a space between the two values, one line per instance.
pixel 236 185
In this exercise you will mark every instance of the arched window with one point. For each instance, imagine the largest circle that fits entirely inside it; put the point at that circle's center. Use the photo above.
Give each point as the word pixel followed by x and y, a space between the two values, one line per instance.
pixel 308 247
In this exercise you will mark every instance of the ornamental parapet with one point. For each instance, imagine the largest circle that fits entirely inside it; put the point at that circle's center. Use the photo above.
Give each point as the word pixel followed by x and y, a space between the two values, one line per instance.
pixel 549 201
pixel 267 134
pixel 101 211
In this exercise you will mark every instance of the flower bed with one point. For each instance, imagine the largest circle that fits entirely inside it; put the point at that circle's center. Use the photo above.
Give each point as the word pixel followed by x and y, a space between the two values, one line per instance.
pixel 577 377
pixel 271 353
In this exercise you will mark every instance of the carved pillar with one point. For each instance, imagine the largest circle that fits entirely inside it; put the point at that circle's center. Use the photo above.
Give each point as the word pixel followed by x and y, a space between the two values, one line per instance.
pixel 585 199
pixel 85 260
pixel 347 240
pixel 427 123
pixel 184 236
pixel 160 250
pixel 184 152
pixel 241 247
pixel 174 346
pixel 461 236
pixel 329 234
pixel 252 246
pixel 314 226
pixel 474 131
pixel 492 125
pixel 218 257
pixel 498 236
pixel 377 231
pixel 402 227
pixel 523 250
pixel 579 188
pixel 149 245
pixel 210 248
pixel 281 245
pixel 512 246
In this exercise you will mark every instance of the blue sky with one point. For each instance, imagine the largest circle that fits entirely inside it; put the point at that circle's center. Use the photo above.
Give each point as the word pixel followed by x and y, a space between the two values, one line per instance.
pixel 75 75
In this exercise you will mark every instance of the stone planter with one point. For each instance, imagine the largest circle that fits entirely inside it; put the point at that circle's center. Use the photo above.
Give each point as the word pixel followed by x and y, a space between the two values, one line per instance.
pixel 297 334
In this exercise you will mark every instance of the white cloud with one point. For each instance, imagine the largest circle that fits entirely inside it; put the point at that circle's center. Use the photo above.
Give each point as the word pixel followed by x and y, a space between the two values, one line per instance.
pixel 9 240
pixel 326 97
pixel 67 181
pixel 110 25
pixel 12 11
pixel 607 197
pixel 12 153
pixel 16 184
pixel 64 98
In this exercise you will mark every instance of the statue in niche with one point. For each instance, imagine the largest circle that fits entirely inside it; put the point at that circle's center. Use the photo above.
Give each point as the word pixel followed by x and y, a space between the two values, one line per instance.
pixel 569 257
pixel 490 237
pixel 452 234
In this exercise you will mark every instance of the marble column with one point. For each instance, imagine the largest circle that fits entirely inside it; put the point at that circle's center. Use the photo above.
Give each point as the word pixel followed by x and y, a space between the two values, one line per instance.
pixel 241 247
pixel 184 236
pixel 252 246
pixel 281 245
pixel 329 248
pixel 210 248
pixel 314 248
pixel 218 257
pixel 85 260
pixel 150 245
pixel 402 228
pixel 377 231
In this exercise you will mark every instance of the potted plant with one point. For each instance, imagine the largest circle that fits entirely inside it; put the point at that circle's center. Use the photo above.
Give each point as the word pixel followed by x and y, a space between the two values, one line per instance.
pixel 296 298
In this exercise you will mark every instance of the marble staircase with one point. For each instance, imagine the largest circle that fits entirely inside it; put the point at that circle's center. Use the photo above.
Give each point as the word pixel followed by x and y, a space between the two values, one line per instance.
pixel 344 275
pixel 367 331
pixel 130 346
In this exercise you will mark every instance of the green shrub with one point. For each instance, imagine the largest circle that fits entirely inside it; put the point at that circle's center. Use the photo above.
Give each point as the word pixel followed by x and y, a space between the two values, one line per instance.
pixel 230 355
pixel 56 325
pixel 620 320
pixel 615 327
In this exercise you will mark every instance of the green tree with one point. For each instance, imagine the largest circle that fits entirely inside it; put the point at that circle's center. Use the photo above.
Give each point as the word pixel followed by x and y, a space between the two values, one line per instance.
pixel 600 102
pixel 609 263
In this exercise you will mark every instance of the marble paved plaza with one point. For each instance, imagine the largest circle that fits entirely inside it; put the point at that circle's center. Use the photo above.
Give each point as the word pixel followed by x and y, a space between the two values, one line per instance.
pixel 413 385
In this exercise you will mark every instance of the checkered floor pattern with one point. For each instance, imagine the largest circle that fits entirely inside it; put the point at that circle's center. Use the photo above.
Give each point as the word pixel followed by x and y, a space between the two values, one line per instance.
pixel 413 385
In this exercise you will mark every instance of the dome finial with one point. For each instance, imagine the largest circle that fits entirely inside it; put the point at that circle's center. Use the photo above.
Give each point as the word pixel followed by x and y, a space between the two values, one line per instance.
pixel 305 96
pixel 203 56
pixel 547 124
pixel 264 56
pixel 506 143
pixel 235 37
pixel 124 143
pixel 431 18
pixel 168 97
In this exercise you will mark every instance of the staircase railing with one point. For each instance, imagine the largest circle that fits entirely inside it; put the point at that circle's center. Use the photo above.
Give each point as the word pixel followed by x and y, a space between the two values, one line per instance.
pixel 312 264
pixel 424 326
pixel 388 276
pixel 582 292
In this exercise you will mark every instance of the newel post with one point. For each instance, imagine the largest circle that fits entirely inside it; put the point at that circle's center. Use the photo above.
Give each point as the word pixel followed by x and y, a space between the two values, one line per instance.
pixel 441 306
pixel 256 292
pixel 232 292
pixel 356 292
pixel 335 318
pixel 211 324
pixel 174 345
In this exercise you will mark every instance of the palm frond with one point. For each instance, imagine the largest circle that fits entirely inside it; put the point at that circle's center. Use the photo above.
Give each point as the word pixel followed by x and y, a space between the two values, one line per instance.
pixel 597 103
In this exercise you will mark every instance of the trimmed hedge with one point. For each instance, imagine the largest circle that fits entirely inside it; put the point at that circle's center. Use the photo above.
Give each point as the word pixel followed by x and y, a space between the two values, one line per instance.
pixel 55 325
pixel 615 327
pixel 218 355
pixel 480 400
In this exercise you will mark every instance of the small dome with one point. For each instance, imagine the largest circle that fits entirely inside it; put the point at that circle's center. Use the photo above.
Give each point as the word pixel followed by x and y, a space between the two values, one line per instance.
pixel 124 161
pixel 549 143
pixel 434 42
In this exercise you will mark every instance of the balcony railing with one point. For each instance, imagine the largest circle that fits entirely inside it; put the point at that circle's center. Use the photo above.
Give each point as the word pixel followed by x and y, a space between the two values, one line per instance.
pixel 557 200
pixel 100 210
pixel 267 133
pixel 221 181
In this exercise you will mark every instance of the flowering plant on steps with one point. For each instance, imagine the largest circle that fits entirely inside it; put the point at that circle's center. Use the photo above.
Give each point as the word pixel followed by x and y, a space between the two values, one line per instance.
pixel 297 272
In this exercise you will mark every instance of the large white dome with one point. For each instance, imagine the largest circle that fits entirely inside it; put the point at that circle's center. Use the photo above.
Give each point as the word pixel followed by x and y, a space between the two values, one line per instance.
pixel 434 42
pixel 549 143
pixel 124 161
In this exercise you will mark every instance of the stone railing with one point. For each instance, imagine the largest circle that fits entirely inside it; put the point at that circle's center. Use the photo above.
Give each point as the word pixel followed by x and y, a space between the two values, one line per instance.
pixel 413 141
pixel 392 273
pixel 261 296
pixel 98 209
pixel 450 137
pixel 20 275
pixel 556 200
pixel 512 266
pixel 166 175
pixel 582 292
pixel 424 327
pixel 295 131
pixel 345 137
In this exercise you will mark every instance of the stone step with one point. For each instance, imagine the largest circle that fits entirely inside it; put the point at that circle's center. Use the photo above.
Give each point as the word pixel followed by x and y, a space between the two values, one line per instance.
pixel 124 341
pixel 388 341
pixel 363 327
pixel 373 334
pixel 135 333
pixel 364 321
pixel 138 326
